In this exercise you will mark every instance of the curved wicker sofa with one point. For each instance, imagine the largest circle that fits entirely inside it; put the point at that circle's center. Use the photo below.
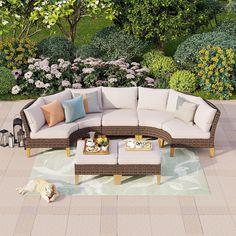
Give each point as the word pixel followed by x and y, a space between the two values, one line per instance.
pixel 162 135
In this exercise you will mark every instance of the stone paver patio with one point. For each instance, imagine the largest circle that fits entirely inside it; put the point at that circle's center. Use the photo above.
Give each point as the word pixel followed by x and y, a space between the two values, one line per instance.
pixel 212 215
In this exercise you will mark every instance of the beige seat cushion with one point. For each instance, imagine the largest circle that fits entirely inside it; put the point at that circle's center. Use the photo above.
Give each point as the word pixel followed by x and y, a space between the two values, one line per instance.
pixel 152 99
pixel 120 117
pixel 35 116
pixel 110 159
pixel 62 96
pixel 90 120
pixel 59 131
pixel 153 118
pixel 139 157
pixel 75 93
pixel 124 98
pixel 179 129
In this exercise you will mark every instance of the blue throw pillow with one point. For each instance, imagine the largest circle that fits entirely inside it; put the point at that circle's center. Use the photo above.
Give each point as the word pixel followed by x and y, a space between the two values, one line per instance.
pixel 74 109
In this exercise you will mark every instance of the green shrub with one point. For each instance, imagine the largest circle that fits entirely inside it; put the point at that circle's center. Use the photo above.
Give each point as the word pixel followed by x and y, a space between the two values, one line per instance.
pixel 217 71
pixel 186 54
pixel 87 50
pixel 229 27
pixel 183 81
pixel 56 48
pixel 161 67
pixel 15 53
pixel 151 56
pixel 7 80
pixel 114 43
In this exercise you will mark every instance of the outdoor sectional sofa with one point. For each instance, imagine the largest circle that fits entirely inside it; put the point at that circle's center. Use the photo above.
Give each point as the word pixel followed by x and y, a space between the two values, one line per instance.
pixel 125 112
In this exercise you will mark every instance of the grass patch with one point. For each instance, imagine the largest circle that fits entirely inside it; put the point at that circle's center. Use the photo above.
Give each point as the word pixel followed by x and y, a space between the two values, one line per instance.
pixel 11 97
pixel 86 29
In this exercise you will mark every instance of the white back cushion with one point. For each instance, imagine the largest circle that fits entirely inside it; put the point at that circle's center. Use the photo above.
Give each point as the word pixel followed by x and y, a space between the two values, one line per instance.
pixel 89 90
pixel 152 99
pixel 62 96
pixel 173 97
pixel 204 116
pixel 124 98
pixel 35 116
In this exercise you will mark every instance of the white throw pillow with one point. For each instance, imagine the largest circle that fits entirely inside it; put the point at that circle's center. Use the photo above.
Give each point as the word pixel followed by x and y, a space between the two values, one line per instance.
pixel 35 116
pixel 186 111
pixel 122 98
pixel 204 116
pixel 153 99
pixel 89 90
pixel 62 96
pixel 173 97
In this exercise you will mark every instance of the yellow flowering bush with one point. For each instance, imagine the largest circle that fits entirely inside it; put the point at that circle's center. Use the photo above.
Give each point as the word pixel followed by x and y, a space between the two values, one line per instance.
pixel 216 71
pixel 15 53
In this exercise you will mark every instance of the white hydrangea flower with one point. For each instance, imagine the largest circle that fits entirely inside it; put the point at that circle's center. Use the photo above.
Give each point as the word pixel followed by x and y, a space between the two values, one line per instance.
pixel 65 83
pixel 48 76
pixel 39 84
pixel 15 90
pixel 47 85
pixel 130 76
pixel 30 81
pixel 77 85
pixel 28 74
pixel 88 70
pixel 31 67
pixel 58 74
pixel 112 80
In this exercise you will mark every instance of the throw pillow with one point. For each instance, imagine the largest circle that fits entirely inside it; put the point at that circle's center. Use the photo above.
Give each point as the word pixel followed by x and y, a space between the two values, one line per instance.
pixel 53 113
pixel 185 110
pixel 74 109
pixel 90 100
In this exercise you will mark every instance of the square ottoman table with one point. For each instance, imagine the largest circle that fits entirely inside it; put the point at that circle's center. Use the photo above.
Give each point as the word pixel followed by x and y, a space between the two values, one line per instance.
pixel 138 162
pixel 95 164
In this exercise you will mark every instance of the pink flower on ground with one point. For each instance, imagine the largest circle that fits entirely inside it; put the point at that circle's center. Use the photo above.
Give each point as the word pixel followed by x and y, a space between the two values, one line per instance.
pixel 15 90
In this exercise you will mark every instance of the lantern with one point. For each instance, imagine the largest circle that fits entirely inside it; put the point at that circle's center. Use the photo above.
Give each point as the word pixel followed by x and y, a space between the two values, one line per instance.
pixel 17 125
pixel 21 138
pixel 11 140
pixel 4 137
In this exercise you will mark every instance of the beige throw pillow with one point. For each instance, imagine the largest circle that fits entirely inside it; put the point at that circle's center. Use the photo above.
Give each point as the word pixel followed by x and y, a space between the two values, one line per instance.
pixel 186 111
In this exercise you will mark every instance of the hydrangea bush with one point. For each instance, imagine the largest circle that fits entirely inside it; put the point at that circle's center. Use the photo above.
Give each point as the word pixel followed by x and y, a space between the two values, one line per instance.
pixel 42 77
pixel 217 71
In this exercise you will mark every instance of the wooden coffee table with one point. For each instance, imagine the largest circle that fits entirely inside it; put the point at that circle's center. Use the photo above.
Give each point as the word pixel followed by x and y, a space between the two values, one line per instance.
pixel 118 162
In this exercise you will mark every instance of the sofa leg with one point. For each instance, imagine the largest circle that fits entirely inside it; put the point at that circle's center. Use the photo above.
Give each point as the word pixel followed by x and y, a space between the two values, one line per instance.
pixel 27 152
pixel 117 179
pixel 212 152
pixel 76 179
pixel 68 152
pixel 172 151
pixel 161 142
pixel 158 179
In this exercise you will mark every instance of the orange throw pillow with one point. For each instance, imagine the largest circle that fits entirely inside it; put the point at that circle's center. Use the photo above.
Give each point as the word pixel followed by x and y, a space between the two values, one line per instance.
pixel 53 113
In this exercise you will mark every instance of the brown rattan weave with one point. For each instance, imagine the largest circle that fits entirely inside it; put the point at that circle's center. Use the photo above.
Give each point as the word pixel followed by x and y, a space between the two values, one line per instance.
pixel 117 169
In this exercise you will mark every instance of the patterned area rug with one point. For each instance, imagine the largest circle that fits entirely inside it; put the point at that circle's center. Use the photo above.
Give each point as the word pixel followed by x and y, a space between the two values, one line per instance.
pixel 181 175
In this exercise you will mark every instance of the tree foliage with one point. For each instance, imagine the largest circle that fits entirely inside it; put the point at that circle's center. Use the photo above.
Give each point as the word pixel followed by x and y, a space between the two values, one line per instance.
pixel 163 19
pixel 71 11
pixel 15 18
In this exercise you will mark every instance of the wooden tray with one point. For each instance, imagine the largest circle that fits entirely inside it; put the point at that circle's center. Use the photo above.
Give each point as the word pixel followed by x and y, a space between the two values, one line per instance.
pixel 85 152
pixel 147 147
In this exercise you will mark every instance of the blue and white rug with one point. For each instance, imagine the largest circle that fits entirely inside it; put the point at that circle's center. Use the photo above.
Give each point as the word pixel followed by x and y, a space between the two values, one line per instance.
pixel 181 175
